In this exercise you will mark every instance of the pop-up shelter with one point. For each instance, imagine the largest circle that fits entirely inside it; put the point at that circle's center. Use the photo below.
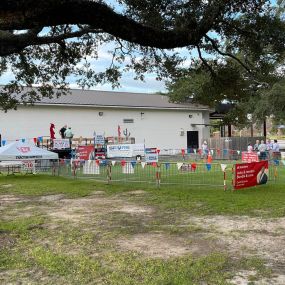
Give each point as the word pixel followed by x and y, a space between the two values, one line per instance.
pixel 19 151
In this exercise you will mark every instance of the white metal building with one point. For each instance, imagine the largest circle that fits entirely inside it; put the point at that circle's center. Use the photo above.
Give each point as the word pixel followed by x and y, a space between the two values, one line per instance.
pixel 149 118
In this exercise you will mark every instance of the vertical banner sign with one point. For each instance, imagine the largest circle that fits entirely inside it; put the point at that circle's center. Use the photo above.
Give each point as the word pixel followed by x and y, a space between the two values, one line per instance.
pixel 99 139
pixel 85 152
pixel 249 157
pixel 250 174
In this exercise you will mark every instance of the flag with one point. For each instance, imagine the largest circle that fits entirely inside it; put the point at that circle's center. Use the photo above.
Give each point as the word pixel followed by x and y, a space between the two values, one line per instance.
pixel 113 162
pixel 154 164
pixel 238 152
pixel 35 140
pixel 194 150
pixel 276 162
pixel 193 166
pixel 23 140
pixel 225 151
pixel 40 139
pixel 212 151
pixel 183 151
pixel 3 142
pixel 179 165
pixel 97 161
pixel 209 166
pixel 143 164
pixel 158 151
pixel 119 131
pixel 223 166
pixel 218 151
pixel 167 165
pixel 123 162
pixel 133 163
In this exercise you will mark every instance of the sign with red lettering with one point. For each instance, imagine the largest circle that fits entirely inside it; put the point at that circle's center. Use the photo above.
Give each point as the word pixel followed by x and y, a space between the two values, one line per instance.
pixel 249 156
pixel 250 174
pixel 85 152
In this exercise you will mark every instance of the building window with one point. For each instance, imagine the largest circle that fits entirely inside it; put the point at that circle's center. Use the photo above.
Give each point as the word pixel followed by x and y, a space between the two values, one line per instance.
pixel 128 121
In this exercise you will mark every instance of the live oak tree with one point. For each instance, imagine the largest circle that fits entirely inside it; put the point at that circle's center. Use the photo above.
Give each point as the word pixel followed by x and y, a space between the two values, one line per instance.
pixel 44 42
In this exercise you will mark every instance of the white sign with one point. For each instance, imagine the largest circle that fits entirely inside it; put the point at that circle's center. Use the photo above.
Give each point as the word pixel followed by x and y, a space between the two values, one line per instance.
pixel 138 149
pixel 151 157
pixel 119 150
pixel 99 139
pixel 61 143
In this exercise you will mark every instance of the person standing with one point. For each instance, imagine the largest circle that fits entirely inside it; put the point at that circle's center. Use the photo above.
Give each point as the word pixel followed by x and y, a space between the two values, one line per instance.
pixel 62 131
pixel 69 135
pixel 275 150
pixel 275 146
pixel 262 150
pixel 51 131
pixel 255 147
pixel 205 149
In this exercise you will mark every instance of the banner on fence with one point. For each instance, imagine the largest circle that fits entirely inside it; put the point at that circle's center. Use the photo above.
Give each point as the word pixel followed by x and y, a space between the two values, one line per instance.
pixel 151 154
pixel 61 143
pixel 125 150
pixel 85 152
pixel 120 150
pixel 249 157
pixel 250 174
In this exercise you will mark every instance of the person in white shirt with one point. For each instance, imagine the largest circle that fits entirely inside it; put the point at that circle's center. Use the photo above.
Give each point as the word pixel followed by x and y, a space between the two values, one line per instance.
pixel 249 148
pixel 262 150
pixel 275 146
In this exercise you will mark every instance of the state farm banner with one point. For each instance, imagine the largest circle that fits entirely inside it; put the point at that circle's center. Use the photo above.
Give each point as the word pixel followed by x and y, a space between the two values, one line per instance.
pixel 61 143
pixel 250 174
pixel 120 150
pixel 249 156
pixel 84 152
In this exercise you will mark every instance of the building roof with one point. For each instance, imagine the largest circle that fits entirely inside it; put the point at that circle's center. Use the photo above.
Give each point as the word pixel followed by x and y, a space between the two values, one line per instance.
pixel 94 98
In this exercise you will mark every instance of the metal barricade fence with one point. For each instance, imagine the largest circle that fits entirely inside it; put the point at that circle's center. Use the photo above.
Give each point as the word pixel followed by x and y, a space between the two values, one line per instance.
pixel 180 173
pixel 161 173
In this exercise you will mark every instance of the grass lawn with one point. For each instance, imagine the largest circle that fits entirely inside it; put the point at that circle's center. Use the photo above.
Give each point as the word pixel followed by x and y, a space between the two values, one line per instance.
pixel 55 230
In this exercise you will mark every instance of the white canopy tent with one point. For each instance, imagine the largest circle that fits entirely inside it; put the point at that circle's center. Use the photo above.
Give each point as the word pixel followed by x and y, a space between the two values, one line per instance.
pixel 18 151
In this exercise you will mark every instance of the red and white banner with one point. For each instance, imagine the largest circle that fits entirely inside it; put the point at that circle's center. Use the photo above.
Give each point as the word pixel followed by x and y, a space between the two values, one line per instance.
pixel 250 174
pixel 85 152
pixel 249 157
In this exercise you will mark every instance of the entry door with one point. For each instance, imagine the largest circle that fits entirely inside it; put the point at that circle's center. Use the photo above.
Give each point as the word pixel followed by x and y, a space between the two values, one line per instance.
pixel 193 139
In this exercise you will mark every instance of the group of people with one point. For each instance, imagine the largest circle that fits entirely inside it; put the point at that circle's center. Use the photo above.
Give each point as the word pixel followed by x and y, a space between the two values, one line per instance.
pixel 264 149
pixel 65 132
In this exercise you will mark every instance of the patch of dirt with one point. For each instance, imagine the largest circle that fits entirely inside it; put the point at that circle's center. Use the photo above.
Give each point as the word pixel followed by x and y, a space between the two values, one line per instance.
pixel 5 186
pixel 51 198
pixel 160 245
pixel 6 241
pixel 243 277
pixel 137 192
pixel 131 209
pixel 10 199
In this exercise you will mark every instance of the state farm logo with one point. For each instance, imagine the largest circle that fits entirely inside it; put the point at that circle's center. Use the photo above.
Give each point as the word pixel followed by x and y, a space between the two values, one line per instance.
pixel 24 149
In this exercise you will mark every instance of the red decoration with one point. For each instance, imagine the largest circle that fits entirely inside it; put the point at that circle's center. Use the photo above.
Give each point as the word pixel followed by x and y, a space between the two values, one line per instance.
pixel 193 166
pixel 123 162
pixel 154 164
pixel 35 140
pixel 97 162
pixel 200 151
pixel 232 151
pixel 158 151
pixel 183 151
pixel 218 151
